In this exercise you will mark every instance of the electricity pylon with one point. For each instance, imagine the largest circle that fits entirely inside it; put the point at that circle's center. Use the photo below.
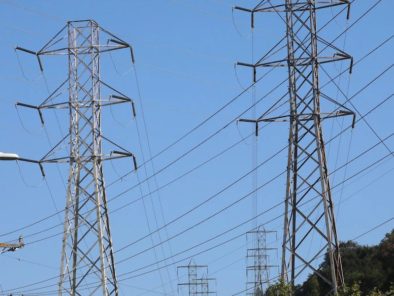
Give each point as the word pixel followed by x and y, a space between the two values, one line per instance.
pixel 87 258
pixel 258 265
pixel 307 172
pixel 198 283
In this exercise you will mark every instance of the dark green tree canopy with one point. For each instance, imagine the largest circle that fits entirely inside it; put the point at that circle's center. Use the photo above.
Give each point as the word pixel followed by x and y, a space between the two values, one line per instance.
pixel 368 270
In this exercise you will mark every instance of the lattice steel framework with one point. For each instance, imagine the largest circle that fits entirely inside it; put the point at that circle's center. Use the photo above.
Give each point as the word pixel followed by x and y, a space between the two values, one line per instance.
pixel 87 258
pixel 257 262
pixel 198 283
pixel 307 172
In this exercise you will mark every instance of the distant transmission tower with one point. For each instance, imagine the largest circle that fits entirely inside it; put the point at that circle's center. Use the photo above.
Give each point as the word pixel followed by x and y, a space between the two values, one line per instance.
pixel 307 173
pixel 257 258
pixel 198 283
pixel 87 259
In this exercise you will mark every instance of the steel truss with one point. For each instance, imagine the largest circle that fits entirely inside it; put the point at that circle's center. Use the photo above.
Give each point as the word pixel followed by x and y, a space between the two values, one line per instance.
pixel 87 258
pixel 307 171
pixel 198 283
pixel 257 258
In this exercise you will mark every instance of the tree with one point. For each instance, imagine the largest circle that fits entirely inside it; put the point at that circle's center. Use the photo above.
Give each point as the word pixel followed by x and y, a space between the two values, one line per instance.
pixel 354 290
pixel 279 289
pixel 385 255
pixel 368 270
pixel 376 292
pixel 314 287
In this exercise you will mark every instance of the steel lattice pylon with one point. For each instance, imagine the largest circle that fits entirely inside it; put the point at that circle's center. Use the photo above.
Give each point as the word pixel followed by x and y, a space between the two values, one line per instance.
pixel 87 259
pixel 257 262
pixel 307 172
pixel 198 283
pixel 86 180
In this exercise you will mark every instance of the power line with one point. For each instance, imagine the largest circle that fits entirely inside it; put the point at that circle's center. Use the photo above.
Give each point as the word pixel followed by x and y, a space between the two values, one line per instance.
pixel 349 99
pixel 153 170
pixel 228 240
pixel 277 277
pixel 176 219
pixel 264 184
pixel 188 172
pixel 357 93
pixel 278 204
pixel 353 239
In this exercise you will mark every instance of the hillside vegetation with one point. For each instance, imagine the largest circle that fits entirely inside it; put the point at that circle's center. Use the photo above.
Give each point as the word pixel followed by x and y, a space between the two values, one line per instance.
pixel 368 271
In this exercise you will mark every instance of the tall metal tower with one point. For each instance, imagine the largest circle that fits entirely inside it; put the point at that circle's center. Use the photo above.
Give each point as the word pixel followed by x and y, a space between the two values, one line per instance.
pixel 198 283
pixel 87 259
pixel 305 226
pixel 257 258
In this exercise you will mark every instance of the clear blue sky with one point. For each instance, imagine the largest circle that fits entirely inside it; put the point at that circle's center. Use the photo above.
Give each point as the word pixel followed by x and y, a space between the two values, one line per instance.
pixel 185 53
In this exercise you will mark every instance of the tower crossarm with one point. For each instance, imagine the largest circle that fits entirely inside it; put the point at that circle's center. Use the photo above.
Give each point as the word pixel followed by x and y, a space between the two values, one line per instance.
pixel 303 52
pixel 87 250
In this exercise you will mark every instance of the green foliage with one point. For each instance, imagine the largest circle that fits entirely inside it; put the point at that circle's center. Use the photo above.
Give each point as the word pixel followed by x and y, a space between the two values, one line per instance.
pixel 368 271
pixel 313 286
pixel 385 254
pixel 279 289
pixel 354 290
pixel 376 292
